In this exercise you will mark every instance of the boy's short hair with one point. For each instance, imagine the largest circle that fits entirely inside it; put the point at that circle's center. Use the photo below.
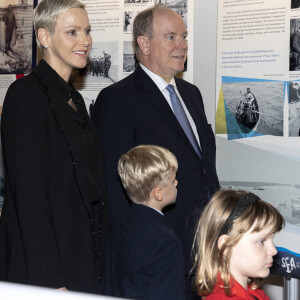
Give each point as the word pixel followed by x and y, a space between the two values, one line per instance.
pixel 143 168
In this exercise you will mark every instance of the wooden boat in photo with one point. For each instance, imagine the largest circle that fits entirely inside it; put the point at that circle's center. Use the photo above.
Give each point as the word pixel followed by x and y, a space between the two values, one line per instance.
pixel 247 116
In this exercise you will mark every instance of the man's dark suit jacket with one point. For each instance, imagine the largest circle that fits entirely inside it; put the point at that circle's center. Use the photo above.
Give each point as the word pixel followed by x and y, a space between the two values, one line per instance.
pixel 144 259
pixel 132 112
pixel 46 237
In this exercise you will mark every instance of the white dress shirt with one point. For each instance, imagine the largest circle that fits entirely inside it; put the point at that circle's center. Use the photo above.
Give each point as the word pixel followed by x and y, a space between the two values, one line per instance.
pixel 161 84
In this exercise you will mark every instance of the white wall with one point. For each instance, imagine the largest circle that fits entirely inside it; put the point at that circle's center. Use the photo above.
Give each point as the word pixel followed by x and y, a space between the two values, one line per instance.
pixel 205 44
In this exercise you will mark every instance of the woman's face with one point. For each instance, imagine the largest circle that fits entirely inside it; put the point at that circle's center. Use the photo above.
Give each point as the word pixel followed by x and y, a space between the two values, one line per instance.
pixel 70 43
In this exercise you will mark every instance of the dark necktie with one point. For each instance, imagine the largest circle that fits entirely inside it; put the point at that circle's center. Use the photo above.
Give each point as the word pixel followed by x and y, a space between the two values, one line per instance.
pixel 182 118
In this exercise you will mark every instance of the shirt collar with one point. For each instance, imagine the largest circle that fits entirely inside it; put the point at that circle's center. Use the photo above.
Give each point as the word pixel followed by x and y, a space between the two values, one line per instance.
pixel 161 83
pixel 160 212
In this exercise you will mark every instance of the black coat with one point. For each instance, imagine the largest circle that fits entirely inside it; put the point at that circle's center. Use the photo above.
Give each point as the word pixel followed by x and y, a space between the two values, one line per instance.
pixel 144 259
pixel 52 214
pixel 132 112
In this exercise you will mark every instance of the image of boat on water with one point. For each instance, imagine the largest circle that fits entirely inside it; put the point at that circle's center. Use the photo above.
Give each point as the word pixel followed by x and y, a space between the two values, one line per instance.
pixel 254 113
pixel 247 115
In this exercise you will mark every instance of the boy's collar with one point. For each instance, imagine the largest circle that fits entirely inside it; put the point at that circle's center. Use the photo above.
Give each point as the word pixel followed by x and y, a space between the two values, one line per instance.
pixel 154 209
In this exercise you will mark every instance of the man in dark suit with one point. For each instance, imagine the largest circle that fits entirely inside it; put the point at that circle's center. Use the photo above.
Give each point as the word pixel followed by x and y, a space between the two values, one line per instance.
pixel 139 110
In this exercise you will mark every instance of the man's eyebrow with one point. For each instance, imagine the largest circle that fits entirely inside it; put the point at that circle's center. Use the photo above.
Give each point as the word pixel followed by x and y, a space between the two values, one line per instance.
pixel 175 33
pixel 170 32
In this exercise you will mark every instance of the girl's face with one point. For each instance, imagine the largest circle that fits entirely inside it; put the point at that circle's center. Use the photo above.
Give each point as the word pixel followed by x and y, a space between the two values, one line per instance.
pixel 253 255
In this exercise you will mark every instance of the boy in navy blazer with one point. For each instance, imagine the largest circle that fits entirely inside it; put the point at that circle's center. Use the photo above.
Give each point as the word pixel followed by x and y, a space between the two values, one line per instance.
pixel 144 259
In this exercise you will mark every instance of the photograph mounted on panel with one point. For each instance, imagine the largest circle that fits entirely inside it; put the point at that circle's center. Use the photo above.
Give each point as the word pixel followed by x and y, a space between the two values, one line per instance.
pixel 101 71
pixel 16 37
pixel 102 66
pixel 128 57
pixel 138 1
pixel 294 108
pixel 295 4
pixel 250 108
pixel 294 64
pixel 128 20
pixel 180 6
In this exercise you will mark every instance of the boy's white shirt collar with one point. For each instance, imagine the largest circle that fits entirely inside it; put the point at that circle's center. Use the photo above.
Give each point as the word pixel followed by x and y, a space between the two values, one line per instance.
pixel 154 209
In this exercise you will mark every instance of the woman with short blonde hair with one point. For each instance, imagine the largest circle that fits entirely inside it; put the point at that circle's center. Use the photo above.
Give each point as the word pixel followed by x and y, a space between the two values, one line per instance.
pixel 52 225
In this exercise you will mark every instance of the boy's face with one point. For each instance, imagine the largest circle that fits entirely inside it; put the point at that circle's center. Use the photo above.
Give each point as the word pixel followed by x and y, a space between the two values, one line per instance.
pixel 170 190
pixel 253 255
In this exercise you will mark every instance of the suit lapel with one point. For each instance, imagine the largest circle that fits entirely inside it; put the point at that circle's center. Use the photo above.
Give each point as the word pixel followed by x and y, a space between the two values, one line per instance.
pixel 149 92
pixel 191 102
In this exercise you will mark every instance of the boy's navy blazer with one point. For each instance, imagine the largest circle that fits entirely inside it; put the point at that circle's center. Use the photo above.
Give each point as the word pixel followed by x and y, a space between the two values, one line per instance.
pixel 132 112
pixel 144 259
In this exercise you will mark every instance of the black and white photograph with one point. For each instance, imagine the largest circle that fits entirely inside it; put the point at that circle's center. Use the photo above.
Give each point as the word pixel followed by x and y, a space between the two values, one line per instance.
pixel 102 66
pixel 295 4
pixel 180 6
pixel 137 1
pixel 289 204
pixel 294 64
pixel 253 108
pixel 294 108
pixel 16 36
pixel 101 71
pixel 128 20
pixel 128 57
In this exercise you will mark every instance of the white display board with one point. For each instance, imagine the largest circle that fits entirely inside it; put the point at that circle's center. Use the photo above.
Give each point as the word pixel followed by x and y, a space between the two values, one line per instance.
pixel 258 146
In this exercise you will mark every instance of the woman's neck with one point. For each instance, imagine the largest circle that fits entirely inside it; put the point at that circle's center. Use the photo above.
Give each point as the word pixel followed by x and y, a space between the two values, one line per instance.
pixel 63 71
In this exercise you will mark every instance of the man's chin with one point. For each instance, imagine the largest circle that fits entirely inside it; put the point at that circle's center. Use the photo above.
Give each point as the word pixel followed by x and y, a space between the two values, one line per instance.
pixel 180 68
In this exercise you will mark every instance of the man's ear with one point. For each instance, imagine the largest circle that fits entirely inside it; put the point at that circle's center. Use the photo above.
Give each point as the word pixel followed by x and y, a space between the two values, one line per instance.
pixel 44 37
pixel 157 193
pixel 221 241
pixel 144 44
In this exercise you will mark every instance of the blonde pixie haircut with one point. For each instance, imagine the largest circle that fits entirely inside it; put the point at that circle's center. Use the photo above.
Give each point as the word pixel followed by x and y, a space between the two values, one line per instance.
pixel 47 11
pixel 211 261
pixel 143 168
